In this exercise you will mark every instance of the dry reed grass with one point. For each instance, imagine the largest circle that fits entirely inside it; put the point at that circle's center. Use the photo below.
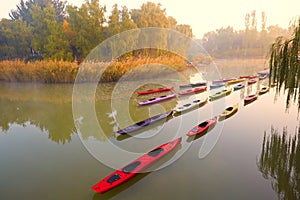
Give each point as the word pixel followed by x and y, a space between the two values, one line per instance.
pixel 65 72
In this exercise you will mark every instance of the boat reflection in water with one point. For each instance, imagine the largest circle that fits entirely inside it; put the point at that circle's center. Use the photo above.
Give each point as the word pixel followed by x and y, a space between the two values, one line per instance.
pixel 280 162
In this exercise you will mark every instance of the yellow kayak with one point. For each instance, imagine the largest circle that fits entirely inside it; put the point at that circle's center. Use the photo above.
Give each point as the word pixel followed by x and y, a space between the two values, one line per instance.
pixel 229 111
pixel 220 94
pixel 263 90
pixel 235 81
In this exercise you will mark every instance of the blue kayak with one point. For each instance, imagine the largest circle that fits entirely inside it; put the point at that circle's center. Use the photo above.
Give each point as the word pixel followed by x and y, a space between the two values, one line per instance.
pixel 143 123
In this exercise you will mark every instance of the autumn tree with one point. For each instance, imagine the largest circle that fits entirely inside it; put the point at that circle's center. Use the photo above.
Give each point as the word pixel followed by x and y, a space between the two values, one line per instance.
pixel 48 37
pixel 87 27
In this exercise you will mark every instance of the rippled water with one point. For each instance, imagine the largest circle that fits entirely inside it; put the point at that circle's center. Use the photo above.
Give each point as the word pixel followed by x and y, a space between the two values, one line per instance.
pixel 43 155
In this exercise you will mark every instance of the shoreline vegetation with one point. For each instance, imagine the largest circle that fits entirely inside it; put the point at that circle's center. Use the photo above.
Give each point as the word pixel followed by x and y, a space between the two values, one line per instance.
pixel 65 72
pixel 51 72
pixel 44 40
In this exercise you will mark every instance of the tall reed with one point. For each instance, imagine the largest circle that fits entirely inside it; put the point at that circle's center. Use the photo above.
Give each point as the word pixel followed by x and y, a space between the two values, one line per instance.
pixel 65 72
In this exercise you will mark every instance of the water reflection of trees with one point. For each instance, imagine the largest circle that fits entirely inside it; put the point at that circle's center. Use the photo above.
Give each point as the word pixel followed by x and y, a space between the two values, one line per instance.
pixel 56 118
pixel 280 162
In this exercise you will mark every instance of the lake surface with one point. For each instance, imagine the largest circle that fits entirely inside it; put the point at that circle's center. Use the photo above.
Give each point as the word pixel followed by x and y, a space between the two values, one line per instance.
pixel 46 154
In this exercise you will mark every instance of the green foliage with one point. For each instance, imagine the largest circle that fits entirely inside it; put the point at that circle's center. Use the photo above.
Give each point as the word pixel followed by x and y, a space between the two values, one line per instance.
pixel 24 9
pixel 15 39
pixel 285 63
pixel 48 29
pixel 86 28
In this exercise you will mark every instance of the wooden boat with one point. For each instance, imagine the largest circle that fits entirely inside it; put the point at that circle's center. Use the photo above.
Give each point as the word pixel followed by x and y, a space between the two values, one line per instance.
pixel 239 86
pixel 193 91
pixel 250 98
pixel 251 81
pixel 190 106
pixel 249 76
pixel 193 84
pixel 220 94
pixel 144 123
pixel 156 100
pixel 263 90
pixel 155 90
pixel 137 166
pixel 202 127
pixel 217 85
pixel 235 81
pixel 228 112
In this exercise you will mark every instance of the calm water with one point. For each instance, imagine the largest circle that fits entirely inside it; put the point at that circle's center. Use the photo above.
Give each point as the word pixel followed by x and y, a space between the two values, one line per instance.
pixel 43 155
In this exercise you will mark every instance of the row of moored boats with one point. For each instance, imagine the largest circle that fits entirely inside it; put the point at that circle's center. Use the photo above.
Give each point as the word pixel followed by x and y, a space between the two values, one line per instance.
pixel 138 165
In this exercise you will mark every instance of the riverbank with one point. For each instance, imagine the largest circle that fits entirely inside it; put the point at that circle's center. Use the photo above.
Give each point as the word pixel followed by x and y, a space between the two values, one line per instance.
pixel 65 72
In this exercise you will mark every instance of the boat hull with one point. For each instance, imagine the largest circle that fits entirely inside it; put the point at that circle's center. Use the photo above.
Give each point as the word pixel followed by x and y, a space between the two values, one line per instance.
pixel 190 106
pixel 202 127
pixel 155 91
pixel 220 94
pixel 193 91
pixel 144 123
pixel 156 100
pixel 228 112
pixel 251 81
pixel 249 76
pixel 239 86
pixel 223 80
pixel 193 85
pixel 137 166
pixel 263 90
pixel 218 85
pixel 235 81
pixel 250 98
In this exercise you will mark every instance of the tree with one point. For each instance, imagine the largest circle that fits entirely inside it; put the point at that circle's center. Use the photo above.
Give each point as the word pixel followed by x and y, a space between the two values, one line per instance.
pixel 87 22
pixel 114 21
pixel 15 39
pixel 24 9
pixel 152 15
pixel 48 36
pixel 285 63
pixel 126 21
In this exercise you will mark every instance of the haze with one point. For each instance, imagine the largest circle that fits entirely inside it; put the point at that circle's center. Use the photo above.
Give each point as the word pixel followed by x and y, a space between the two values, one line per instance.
pixel 204 16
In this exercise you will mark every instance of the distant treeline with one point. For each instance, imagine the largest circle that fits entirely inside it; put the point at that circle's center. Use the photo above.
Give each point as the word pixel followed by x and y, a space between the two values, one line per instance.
pixel 250 42
pixel 53 30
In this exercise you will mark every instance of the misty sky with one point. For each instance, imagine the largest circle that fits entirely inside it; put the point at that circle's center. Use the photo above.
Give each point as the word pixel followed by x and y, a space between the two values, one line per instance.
pixel 204 16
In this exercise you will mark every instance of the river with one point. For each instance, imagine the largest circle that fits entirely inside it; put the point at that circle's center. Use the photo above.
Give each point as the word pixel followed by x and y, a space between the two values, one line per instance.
pixel 51 147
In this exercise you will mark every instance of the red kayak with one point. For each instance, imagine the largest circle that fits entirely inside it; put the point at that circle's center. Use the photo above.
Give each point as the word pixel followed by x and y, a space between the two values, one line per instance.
pixel 193 91
pixel 155 91
pixel 250 98
pixel 202 127
pixel 251 81
pixel 124 174
pixel 248 76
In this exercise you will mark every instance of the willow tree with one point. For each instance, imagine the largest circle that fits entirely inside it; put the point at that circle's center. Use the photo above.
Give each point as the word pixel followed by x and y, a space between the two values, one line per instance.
pixel 285 63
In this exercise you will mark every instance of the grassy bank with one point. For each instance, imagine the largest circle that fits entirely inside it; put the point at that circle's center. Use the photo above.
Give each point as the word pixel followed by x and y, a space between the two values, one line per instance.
pixel 38 71
pixel 65 72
